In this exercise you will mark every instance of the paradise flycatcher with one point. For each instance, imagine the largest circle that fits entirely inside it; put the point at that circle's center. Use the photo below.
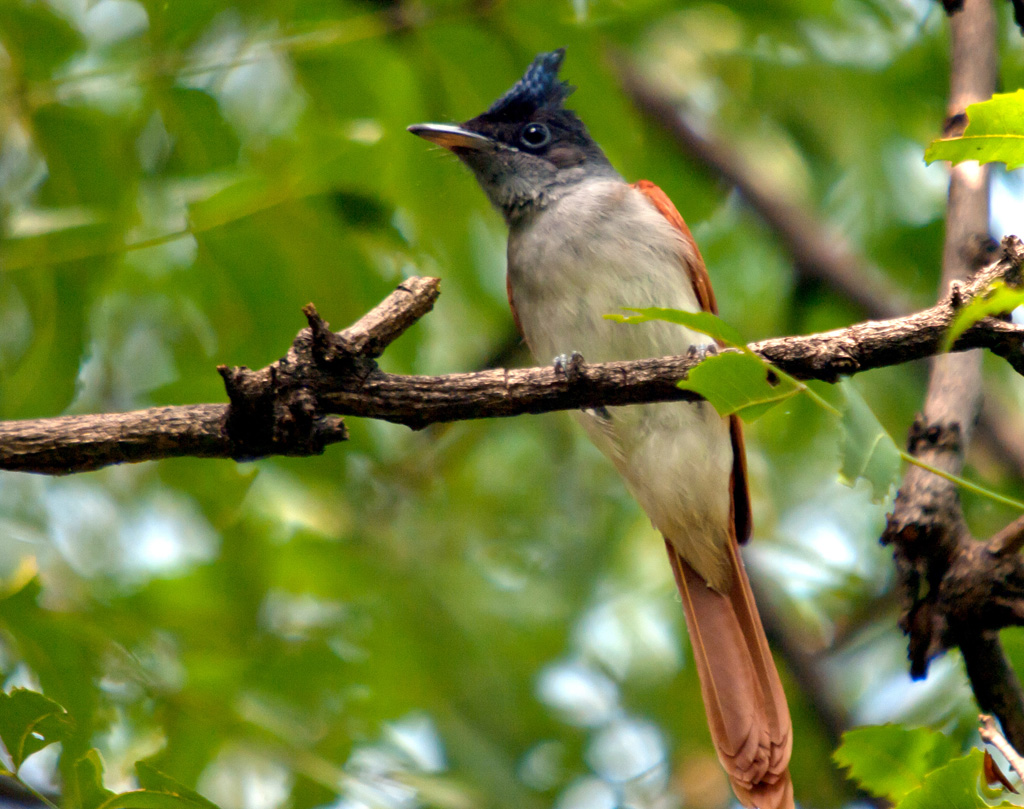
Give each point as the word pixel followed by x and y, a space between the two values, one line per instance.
pixel 584 243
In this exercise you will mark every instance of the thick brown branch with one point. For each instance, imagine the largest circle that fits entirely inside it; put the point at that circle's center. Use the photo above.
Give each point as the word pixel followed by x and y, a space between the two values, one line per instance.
pixel 282 409
pixel 271 411
pixel 1009 540
pixel 957 590
pixel 421 400
pixel 993 680
pixel 82 443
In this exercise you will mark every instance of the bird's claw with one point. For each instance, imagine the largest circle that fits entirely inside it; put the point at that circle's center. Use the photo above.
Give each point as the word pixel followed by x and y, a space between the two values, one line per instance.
pixel 570 366
pixel 702 352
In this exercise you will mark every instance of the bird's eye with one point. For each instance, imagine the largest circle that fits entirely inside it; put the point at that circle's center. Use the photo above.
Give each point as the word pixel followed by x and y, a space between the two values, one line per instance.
pixel 534 136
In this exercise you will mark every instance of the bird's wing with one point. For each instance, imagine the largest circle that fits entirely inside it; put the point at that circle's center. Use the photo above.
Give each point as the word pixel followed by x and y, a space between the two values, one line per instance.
pixel 695 270
pixel 692 263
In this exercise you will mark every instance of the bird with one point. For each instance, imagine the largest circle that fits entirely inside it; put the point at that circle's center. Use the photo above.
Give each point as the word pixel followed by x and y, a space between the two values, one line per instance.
pixel 584 243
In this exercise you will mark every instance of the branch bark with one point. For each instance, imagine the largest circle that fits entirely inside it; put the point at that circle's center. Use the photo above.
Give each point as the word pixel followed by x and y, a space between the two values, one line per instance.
pixel 291 406
pixel 272 411
pixel 953 585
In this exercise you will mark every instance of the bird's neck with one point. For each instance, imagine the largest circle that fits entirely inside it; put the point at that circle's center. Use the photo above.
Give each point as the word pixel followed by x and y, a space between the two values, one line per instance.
pixel 522 199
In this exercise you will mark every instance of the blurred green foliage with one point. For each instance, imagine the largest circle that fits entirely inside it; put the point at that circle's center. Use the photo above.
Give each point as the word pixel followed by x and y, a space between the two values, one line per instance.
pixel 474 615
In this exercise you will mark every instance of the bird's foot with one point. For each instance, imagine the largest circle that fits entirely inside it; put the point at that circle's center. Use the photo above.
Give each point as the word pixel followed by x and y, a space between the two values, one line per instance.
pixel 601 412
pixel 570 366
pixel 702 352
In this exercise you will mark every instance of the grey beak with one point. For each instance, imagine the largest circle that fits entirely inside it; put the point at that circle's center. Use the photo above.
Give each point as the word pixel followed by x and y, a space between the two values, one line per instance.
pixel 452 137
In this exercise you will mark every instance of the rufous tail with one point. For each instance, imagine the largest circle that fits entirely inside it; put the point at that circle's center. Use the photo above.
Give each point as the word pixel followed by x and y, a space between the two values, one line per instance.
pixel 744 700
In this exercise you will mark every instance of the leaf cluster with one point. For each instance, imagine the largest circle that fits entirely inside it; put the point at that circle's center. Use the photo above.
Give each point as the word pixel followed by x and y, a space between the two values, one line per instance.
pixel 917 768
pixel 29 722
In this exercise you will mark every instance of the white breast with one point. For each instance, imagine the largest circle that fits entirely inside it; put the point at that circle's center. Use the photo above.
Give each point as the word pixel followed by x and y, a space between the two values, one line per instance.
pixel 596 250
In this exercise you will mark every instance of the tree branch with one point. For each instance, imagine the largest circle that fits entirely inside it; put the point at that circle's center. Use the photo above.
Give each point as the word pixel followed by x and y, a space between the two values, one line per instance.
pixel 271 411
pixel 284 408
pixel 957 591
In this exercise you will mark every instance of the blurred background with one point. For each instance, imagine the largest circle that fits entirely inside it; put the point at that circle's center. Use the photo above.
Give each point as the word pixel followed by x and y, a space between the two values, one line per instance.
pixel 475 615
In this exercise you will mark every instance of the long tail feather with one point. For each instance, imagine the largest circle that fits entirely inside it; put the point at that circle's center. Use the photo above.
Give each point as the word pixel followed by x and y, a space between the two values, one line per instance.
pixel 743 697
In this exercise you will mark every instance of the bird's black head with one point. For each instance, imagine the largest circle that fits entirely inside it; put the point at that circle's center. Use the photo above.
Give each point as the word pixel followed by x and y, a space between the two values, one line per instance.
pixel 526 149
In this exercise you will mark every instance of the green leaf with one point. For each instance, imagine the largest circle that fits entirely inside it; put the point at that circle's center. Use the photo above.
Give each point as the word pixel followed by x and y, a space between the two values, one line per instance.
pixel 703 322
pixel 56 244
pixel 202 140
pixel 152 779
pixel 740 383
pixel 146 799
pixel 997 300
pixel 995 133
pixel 90 158
pixel 89 774
pixel 867 449
pixel 29 722
pixel 36 37
pixel 890 760
pixel 954 786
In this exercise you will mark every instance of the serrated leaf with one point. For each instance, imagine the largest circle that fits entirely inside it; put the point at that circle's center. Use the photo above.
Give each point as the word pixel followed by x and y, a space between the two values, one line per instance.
pixel 29 722
pixel 868 451
pixel 152 779
pixel 739 383
pixel 890 761
pixel 89 774
pixel 998 300
pixel 954 786
pixel 995 133
pixel 703 322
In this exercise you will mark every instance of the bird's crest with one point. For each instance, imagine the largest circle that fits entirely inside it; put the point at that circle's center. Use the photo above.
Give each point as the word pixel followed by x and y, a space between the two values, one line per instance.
pixel 539 88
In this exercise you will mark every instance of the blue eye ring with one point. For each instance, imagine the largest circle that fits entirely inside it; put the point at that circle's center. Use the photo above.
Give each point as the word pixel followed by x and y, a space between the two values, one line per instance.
pixel 535 135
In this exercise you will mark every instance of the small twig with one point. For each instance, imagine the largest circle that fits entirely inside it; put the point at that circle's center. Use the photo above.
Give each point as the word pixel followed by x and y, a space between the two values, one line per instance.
pixel 1010 540
pixel 990 735
pixel 388 320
